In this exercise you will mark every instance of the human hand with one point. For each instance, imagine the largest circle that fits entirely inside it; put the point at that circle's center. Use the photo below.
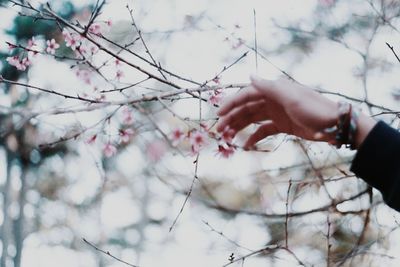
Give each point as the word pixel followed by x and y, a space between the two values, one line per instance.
pixel 282 106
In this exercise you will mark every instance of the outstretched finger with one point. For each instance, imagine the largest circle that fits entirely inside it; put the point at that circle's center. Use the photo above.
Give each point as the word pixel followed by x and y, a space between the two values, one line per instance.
pixel 242 116
pixel 246 95
pixel 267 129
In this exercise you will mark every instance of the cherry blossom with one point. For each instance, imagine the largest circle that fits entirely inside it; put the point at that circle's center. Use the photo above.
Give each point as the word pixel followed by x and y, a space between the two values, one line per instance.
pixel 217 80
pixel 84 75
pixel 156 150
pixel 95 28
pixel 198 139
pixel 52 46
pixel 109 150
pixel 227 135
pixel 13 61
pixel 72 40
pixel 126 135
pixel 216 97
pixel 26 62
pixel 177 136
pixel 119 74
pixel 225 152
pixel 127 117
pixel 18 63
pixel 31 43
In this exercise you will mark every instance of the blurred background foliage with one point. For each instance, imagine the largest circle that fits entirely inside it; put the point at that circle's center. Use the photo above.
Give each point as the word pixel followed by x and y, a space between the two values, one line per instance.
pixel 40 186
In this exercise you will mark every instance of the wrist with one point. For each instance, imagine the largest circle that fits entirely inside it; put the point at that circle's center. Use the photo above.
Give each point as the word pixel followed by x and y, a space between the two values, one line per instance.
pixel 364 126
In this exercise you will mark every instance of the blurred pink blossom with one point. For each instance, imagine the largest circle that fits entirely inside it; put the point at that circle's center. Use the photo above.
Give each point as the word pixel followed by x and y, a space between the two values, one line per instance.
pixel 216 97
pixel 155 150
pixel 127 117
pixel 95 28
pixel 31 43
pixel 18 63
pixel 225 152
pixel 177 136
pixel 198 139
pixel 227 135
pixel 126 135
pixel 109 150
pixel 119 74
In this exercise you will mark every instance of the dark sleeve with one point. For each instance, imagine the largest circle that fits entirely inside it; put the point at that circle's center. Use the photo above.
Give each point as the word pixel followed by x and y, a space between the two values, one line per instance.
pixel 377 161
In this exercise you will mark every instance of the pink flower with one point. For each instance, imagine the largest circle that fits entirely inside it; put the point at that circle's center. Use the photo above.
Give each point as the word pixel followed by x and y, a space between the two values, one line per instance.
pixel 126 135
pixel 197 139
pixel 26 62
pixel 227 135
pixel 177 136
pixel 216 97
pixel 13 61
pixel 119 74
pixel 19 64
pixel 155 150
pixel 225 152
pixel 72 40
pixel 217 80
pixel 109 150
pixel 127 117
pixel 84 75
pixel 95 28
pixel 31 43
pixel 52 46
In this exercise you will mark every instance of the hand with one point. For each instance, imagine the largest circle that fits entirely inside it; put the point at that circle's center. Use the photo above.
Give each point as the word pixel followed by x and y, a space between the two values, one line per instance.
pixel 281 106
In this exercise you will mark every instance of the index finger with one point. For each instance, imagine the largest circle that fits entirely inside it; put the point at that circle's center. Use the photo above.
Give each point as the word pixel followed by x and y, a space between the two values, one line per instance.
pixel 249 94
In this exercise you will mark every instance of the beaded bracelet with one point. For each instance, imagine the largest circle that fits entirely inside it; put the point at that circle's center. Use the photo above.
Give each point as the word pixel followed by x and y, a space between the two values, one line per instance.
pixel 346 126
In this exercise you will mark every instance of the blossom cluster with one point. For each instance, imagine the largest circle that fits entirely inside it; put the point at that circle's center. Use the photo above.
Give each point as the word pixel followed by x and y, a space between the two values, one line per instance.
pixel 125 134
pixel 84 49
pixel 200 138
pixel 80 45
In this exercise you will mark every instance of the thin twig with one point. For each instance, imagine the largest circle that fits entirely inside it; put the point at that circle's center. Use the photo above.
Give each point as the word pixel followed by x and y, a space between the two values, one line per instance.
pixel 287 214
pixel 108 253
pixel 393 51
pixel 227 238
pixel 255 39
pixel 195 177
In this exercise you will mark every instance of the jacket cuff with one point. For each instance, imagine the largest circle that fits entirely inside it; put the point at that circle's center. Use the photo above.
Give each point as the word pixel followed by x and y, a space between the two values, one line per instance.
pixel 377 162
